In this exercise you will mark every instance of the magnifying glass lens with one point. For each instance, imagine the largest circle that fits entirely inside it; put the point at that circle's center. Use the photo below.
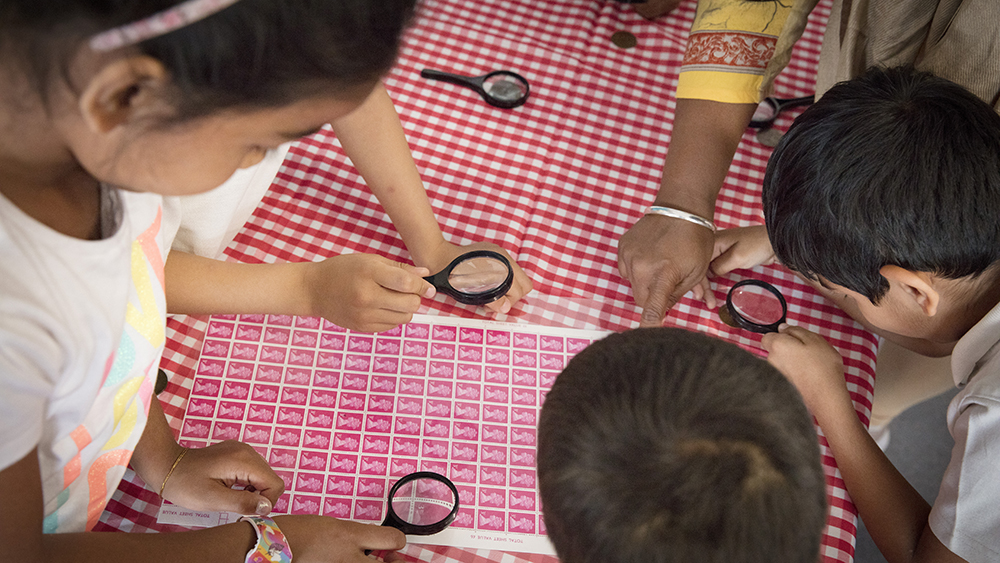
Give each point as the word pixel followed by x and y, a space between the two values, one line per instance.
pixel 478 275
pixel 423 502
pixel 504 87
pixel 757 305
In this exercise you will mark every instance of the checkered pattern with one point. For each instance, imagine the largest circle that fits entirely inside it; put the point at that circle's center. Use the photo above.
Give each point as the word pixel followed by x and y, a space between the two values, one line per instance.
pixel 555 182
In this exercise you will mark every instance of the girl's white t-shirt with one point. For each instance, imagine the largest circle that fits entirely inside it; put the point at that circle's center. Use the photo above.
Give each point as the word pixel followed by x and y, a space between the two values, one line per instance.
pixel 81 333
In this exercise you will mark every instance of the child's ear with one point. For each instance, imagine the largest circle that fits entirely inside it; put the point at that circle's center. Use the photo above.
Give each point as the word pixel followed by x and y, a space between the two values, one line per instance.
pixel 917 285
pixel 121 91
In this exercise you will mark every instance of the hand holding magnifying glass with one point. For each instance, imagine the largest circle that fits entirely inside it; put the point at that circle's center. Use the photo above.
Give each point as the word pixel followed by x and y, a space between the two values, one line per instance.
pixel 500 88
pixel 475 278
pixel 754 305
pixel 421 504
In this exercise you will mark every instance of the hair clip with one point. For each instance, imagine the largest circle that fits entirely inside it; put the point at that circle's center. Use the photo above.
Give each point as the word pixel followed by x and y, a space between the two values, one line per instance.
pixel 160 23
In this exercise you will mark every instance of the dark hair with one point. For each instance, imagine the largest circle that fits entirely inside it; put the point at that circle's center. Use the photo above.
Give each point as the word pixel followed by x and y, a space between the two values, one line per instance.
pixel 664 445
pixel 255 53
pixel 895 167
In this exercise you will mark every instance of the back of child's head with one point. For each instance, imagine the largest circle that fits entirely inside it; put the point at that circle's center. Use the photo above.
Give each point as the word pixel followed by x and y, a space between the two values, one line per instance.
pixel 252 54
pixel 663 445
pixel 896 167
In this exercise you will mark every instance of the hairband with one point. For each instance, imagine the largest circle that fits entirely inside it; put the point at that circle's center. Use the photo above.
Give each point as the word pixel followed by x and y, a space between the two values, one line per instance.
pixel 160 23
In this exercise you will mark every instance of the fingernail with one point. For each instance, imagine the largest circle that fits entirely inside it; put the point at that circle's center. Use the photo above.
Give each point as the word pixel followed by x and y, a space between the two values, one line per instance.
pixel 263 507
pixel 505 308
pixel 429 292
pixel 782 326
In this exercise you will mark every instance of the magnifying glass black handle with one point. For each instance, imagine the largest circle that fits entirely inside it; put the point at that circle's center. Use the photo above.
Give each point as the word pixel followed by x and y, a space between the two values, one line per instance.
pixel 778 105
pixel 474 82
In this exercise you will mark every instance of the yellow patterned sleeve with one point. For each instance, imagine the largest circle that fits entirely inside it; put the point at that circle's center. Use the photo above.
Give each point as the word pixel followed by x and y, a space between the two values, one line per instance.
pixel 730 44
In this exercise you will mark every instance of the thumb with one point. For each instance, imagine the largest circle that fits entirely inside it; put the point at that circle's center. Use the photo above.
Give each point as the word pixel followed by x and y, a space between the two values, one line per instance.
pixel 240 502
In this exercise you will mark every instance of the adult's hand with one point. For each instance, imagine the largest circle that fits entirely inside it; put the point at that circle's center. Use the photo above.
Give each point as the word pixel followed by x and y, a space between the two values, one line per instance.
pixel 663 258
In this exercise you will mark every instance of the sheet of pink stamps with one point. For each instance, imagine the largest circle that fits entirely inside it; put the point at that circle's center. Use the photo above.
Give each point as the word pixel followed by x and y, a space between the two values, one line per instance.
pixel 342 415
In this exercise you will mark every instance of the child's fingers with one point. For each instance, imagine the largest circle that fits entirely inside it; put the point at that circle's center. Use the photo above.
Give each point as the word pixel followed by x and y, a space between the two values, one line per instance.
pixel 404 278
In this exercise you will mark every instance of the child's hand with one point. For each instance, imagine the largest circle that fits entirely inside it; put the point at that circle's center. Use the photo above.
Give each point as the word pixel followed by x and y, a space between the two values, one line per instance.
pixel 735 249
pixel 321 539
pixel 204 477
pixel 519 288
pixel 812 365
pixel 366 292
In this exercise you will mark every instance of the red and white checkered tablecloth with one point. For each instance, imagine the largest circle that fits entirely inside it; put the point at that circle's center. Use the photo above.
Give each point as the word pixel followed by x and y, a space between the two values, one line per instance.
pixel 556 182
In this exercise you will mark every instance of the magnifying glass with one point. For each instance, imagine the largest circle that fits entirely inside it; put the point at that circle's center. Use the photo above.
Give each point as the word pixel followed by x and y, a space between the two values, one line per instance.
pixel 500 88
pixel 422 503
pixel 475 278
pixel 754 305
pixel 769 108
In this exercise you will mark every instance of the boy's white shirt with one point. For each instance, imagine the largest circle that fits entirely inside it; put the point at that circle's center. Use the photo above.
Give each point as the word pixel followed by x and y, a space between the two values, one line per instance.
pixel 965 516
pixel 81 334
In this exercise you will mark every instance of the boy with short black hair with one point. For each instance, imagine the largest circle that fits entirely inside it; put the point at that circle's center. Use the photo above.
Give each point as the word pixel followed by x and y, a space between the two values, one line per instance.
pixel 665 445
pixel 886 193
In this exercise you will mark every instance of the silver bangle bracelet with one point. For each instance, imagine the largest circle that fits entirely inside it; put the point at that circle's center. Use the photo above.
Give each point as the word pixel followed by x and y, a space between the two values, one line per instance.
pixel 678 214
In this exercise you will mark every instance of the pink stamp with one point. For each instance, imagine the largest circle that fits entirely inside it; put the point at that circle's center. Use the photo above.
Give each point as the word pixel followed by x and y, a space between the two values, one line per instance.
pixel 494 433
pixel 261 413
pixel 269 374
pixel 402 466
pixel 240 370
pixel 304 338
pixel 470 372
pixel 522 457
pixel 329 360
pixel 329 379
pixel 358 343
pixel 438 407
pixel 497 374
pixel 522 436
pixel 215 348
pixel 466 518
pixel 409 405
pixel 524 478
pixel 244 351
pixel 211 367
pixel 492 498
pixel 287 437
pixel 410 366
pixel 206 387
pixel 467 411
pixel 273 354
pixel 470 354
pixel 354 381
pixel 465 431
pixel 328 341
pixel 547 378
pixel 357 362
pixel 314 461
pixel 434 465
pixel 521 523
pixel 378 423
pixel 351 401
pixel 439 389
pixel 380 403
pixel 575 345
pixel 319 418
pixel 291 415
pixel 497 338
pixel 346 442
pixel 489 475
pixel 294 395
pixel 418 330
pixel 231 410
pixel 495 413
pixel 297 376
pixel 442 370
pixel 249 333
pixel 349 421
pixel 376 445
pixel 463 451
pixel 550 343
pixel 371 465
pixel 283 320
pixel 283 458
pixel 370 510
pixel 308 322
pixel 525 416
pixel 309 482
pixel 495 393
pixel 436 428
pixel 226 430
pixel 411 386
pixel 337 507
pixel 525 341
pixel 524 377
pixel 523 396
pixel 470 335
pixel 468 391
pixel 315 439
pixel 385 364
pixel 343 463
pixel 370 487
pixel 405 446
pixel 444 333
pixel 435 448
pixel 383 383
pixel 323 398
pixel 408 425
pixel 196 428
pixel 555 362
pixel 201 407
pixel 415 349
pixel 301 357
pixel 387 346
pixel 340 485
pixel 499 356
pixel 266 393
pixel 327 325
pixel 494 454
pixel 394 332
pixel 275 335
pixel 252 318
pixel 305 504
pixel 491 520
pixel 464 473
pixel 441 351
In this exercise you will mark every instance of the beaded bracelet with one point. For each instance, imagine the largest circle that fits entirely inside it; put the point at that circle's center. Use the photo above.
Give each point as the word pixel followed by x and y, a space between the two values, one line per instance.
pixel 678 214
pixel 271 547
